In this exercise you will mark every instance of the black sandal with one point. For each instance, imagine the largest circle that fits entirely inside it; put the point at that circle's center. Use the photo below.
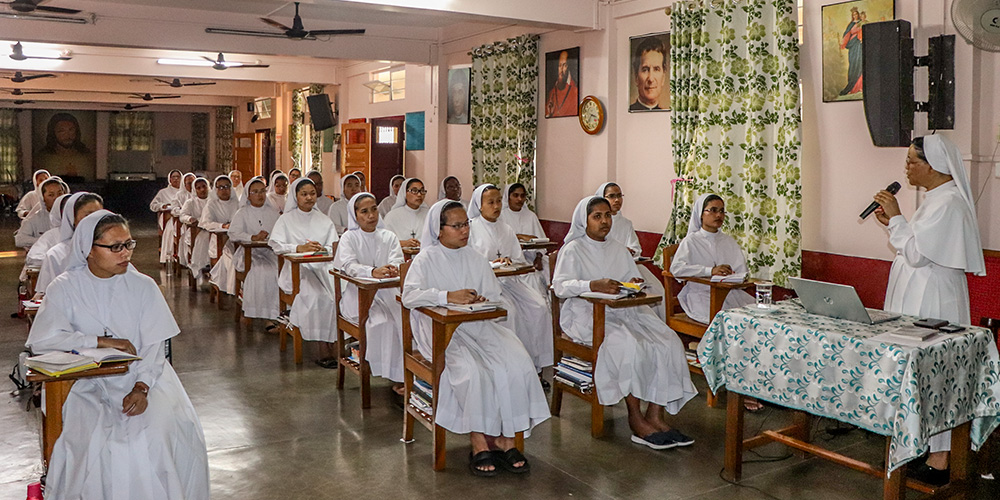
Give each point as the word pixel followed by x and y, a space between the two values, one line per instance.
pixel 512 456
pixel 483 459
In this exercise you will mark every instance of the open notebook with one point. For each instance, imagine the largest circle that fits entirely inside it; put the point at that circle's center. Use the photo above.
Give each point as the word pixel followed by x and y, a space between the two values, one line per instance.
pixel 58 363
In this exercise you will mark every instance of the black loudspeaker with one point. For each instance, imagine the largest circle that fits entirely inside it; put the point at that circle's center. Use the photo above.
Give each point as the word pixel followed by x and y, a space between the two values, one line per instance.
pixel 250 107
pixel 941 82
pixel 888 82
pixel 321 112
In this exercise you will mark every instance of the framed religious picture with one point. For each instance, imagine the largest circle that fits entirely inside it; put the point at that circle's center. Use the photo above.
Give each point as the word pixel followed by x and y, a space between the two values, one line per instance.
pixel 842 45
pixel 562 83
pixel 649 73
pixel 458 95
pixel 65 143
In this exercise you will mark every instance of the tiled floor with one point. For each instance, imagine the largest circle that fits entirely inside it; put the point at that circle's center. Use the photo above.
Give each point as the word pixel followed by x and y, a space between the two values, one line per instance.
pixel 277 430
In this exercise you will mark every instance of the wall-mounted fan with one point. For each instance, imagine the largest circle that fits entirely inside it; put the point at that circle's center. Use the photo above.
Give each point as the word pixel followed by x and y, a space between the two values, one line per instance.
pixel 296 32
pixel 19 77
pixel 17 54
pixel 29 6
pixel 220 63
pixel 26 92
pixel 127 107
pixel 978 21
pixel 150 97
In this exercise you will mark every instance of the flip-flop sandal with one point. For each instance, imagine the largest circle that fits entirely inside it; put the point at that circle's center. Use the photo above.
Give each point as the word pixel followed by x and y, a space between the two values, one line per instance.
pixel 512 456
pixel 483 459
pixel 656 441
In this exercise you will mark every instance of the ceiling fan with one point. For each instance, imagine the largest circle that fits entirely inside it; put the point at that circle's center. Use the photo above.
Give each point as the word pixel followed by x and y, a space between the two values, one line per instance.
pixel 19 77
pixel 17 54
pixel 149 97
pixel 29 6
pixel 220 63
pixel 21 101
pixel 26 92
pixel 177 83
pixel 296 32
pixel 127 107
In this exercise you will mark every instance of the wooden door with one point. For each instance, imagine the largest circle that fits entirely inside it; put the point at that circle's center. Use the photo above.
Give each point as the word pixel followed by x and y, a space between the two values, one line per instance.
pixel 355 148
pixel 388 136
pixel 244 155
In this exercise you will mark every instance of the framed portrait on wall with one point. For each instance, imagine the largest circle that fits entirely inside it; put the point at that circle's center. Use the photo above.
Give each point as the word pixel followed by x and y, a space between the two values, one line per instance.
pixel 562 83
pixel 649 73
pixel 458 95
pixel 64 143
pixel 842 45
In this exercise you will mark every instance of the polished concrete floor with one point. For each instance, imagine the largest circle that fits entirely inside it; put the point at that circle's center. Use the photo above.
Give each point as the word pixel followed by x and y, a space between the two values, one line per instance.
pixel 277 430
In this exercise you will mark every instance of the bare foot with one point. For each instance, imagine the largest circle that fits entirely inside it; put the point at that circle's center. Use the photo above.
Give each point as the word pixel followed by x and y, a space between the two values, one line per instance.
pixel 398 389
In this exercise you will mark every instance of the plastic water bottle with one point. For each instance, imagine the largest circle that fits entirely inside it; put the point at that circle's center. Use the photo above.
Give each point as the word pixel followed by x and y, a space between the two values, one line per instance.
pixel 764 294
pixel 35 491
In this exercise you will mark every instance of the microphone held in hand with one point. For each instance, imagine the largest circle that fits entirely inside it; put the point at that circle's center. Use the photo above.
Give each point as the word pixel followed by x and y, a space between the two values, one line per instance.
pixel 892 188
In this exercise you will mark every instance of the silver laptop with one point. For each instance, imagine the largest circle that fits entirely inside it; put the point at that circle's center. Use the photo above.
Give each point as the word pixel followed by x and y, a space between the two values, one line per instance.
pixel 837 301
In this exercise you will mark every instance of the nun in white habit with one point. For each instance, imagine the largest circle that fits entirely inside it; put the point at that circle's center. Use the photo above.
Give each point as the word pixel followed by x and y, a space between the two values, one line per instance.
pixel 529 316
pixel 408 215
pixel 368 250
pixel 31 198
pixel 215 217
pixel 323 202
pixel 277 190
pixel 525 224
pixel 189 214
pixel 166 199
pixel 302 228
pixel 706 251
pixel 78 206
pixel 386 204
pixel 451 189
pixel 131 436
pixel 623 231
pixel 934 250
pixel 39 220
pixel 641 358
pixel 239 192
pixel 488 386
pixel 350 185
pixel 50 238
pixel 192 213
pixel 254 222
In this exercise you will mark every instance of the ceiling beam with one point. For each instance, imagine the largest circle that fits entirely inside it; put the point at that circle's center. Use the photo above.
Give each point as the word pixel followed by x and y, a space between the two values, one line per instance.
pixel 568 14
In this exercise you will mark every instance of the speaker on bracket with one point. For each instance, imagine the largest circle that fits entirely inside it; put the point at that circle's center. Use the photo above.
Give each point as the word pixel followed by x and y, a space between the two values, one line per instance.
pixel 321 112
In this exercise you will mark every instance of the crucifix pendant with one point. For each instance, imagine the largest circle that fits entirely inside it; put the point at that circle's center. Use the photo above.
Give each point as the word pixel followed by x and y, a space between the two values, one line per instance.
pixel 498 254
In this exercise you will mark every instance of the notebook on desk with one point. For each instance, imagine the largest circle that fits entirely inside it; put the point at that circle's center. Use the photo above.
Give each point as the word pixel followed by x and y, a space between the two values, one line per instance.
pixel 837 301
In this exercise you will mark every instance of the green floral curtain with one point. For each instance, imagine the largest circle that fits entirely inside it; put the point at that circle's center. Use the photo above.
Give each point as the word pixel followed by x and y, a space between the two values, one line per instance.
pixel 504 112
pixel 199 142
pixel 224 138
pixel 316 138
pixel 131 131
pixel 10 147
pixel 295 129
pixel 736 125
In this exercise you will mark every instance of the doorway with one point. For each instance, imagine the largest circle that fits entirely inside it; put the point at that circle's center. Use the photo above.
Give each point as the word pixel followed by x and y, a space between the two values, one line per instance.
pixel 388 138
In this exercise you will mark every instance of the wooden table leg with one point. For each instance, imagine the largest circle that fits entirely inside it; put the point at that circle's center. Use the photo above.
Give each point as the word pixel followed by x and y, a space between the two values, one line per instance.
pixel 960 458
pixel 55 396
pixel 734 437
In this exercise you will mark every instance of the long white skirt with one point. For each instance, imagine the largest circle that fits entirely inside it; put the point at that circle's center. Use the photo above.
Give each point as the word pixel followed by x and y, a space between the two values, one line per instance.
pixel 102 453
pixel 223 274
pixel 183 245
pixel 654 287
pixel 695 298
pixel 489 383
pixel 530 318
pixel 260 287
pixel 314 310
pixel 384 331
pixel 167 242
pixel 199 254
pixel 640 355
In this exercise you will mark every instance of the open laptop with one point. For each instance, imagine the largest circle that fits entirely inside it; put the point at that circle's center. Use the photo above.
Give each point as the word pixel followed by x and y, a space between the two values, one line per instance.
pixel 837 301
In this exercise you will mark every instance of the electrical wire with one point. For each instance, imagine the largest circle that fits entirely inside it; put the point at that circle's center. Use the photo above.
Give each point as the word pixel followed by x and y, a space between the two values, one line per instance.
pixel 989 175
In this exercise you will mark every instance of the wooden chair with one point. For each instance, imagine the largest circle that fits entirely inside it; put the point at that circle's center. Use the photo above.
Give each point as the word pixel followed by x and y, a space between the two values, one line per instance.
pixel 286 300
pixel 241 276
pixel 445 322
pixel 358 330
pixel 176 221
pixel 678 320
pixel 563 344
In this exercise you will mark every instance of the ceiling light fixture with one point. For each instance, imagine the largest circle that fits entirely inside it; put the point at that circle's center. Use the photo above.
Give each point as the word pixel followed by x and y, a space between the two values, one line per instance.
pixel 45 17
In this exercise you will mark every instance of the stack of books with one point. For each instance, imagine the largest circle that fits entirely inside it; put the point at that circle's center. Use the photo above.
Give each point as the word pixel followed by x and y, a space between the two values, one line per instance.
pixel 353 352
pixel 420 396
pixel 575 372
pixel 692 355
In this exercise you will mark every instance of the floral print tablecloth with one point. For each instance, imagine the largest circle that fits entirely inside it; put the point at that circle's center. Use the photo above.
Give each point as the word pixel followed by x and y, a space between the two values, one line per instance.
pixel 833 368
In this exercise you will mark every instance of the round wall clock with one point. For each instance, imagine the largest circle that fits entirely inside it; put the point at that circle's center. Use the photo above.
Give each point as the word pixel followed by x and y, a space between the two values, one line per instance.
pixel 591 115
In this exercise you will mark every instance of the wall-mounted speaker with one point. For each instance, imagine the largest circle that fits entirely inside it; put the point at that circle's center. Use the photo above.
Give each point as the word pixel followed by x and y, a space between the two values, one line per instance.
pixel 321 112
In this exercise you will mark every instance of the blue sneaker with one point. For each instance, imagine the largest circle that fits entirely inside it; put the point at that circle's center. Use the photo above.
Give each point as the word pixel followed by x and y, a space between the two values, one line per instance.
pixel 656 441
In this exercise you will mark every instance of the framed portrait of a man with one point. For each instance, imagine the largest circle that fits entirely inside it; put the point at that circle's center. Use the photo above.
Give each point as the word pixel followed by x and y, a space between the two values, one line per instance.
pixel 63 143
pixel 562 83
pixel 843 45
pixel 458 95
pixel 649 73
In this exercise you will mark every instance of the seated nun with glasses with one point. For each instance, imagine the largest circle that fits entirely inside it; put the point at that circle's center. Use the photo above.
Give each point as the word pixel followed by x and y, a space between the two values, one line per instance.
pixel 134 435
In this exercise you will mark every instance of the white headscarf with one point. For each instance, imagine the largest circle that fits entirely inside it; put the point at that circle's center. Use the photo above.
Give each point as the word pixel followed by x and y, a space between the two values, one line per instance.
pixel 397 176
pixel 216 206
pixel 603 187
pixel 35 182
pixel 83 239
pixel 274 178
pixel 696 210
pixel 432 226
pixel 41 192
pixel 578 227
pixel 246 199
pixel 343 181
pixel 441 190
pixel 55 215
pixel 291 202
pixel 401 199
pixel 68 217
pixel 352 218
pixel 184 194
pixel 295 168
pixel 476 203
pixel 506 196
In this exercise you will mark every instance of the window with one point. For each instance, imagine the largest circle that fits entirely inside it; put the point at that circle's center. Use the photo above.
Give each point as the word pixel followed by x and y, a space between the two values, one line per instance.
pixel 262 107
pixel 394 84
pixel 131 131
pixel 386 135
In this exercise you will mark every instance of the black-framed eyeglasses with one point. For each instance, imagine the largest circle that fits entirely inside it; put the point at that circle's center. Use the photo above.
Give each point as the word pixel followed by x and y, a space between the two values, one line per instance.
pixel 118 247
pixel 459 226
pixel 417 191
pixel 715 211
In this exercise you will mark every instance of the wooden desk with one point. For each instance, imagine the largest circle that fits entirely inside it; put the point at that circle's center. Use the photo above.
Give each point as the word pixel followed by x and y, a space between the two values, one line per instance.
pixel 359 330
pixel 163 218
pixel 56 391
pixel 32 273
pixel 410 252
pixel 241 276
pixel 286 299
pixel 504 272
pixel 548 245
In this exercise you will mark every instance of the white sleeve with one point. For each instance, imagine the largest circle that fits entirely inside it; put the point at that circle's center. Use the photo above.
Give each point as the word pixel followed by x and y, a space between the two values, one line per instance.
pixel 683 264
pixel 52 330
pixel 563 281
pixel 901 237
pixel 417 294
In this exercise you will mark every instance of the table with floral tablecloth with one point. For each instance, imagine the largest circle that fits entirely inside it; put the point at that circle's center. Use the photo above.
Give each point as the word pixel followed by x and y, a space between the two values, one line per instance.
pixel 833 368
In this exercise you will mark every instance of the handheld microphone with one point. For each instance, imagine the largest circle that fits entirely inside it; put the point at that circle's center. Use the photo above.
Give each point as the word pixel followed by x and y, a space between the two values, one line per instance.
pixel 892 188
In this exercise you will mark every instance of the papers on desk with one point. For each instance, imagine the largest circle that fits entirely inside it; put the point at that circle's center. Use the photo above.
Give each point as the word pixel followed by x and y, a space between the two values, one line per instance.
pixel 300 255
pixel 31 305
pixel 368 279
pixel 627 290
pixel 55 364
pixel 513 267
pixel 477 307
pixel 911 336
pixel 732 278
pixel 535 241
pixel 411 249
pixel 496 265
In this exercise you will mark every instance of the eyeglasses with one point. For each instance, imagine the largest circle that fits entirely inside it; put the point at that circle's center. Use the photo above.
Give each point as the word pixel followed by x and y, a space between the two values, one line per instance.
pixel 257 191
pixel 224 188
pixel 118 247
pixel 417 191
pixel 614 196
pixel 459 226
pixel 716 211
